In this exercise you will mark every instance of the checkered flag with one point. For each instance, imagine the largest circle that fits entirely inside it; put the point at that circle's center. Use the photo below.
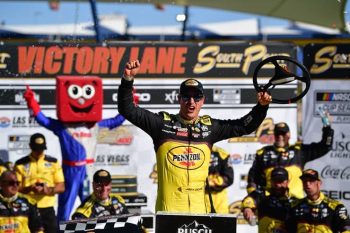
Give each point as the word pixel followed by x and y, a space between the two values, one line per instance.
pixel 128 223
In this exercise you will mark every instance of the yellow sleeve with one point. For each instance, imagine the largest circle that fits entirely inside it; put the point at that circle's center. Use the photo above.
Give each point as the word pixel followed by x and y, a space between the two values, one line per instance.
pixel 248 202
pixel 58 175
pixel 19 173
pixel 2 169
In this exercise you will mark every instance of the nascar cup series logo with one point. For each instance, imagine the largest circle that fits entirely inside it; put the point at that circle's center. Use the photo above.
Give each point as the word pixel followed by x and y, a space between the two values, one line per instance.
pixel 185 157
pixel 194 227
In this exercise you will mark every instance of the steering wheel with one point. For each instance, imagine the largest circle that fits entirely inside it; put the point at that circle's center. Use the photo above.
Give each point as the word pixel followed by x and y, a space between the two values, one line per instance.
pixel 282 76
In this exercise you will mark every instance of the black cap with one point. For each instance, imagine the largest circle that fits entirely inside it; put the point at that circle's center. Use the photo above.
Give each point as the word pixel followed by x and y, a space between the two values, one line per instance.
pixel 102 176
pixel 191 84
pixel 279 174
pixel 37 142
pixel 311 174
pixel 281 128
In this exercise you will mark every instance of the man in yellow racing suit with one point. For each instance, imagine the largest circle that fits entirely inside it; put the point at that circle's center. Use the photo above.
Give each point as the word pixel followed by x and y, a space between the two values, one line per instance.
pixel 17 213
pixel 316 212
pixel 183 141
pixel 272 210
pixel 291 157
pixel 220 177
pixel 41 178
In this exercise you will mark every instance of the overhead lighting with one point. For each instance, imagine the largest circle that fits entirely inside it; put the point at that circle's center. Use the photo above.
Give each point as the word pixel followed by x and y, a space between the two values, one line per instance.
pixel 180 17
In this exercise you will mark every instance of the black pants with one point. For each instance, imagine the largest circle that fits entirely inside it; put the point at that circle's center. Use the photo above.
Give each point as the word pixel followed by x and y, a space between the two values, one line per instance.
pixel 49 220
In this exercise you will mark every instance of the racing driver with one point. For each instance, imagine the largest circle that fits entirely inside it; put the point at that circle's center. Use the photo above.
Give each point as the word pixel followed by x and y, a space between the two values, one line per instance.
pixel 183 141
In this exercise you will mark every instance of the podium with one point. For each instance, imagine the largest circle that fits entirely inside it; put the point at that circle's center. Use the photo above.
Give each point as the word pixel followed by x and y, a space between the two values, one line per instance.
pixel 195 223
pixel 127 223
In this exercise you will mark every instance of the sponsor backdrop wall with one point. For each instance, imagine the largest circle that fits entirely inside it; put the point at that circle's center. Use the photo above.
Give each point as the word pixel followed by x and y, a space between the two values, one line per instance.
pixel 329 68
pixel 334 167
pixel 224 69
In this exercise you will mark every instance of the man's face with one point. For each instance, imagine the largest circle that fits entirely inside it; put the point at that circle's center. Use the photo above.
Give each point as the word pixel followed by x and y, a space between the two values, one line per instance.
pixel 282 139
pixel 9 185
pixel 311 186
pixel 37 153
pixel 279 187
pixel 190 104
pixel 102 190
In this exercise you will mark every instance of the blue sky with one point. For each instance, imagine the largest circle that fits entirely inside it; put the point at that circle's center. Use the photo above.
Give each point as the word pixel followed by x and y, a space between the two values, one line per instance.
pixel 15 12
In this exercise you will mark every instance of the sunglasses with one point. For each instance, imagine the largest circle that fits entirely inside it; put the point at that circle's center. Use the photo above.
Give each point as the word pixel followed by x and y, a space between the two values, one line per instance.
pixel 102 183
pixel 196 98
pixel 11 182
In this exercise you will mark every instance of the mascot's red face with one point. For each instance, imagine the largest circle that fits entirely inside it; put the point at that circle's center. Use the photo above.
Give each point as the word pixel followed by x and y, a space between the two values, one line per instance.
pixel 79 98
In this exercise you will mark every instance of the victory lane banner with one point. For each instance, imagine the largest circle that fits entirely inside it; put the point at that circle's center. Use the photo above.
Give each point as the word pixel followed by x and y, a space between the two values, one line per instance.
pixel 171 60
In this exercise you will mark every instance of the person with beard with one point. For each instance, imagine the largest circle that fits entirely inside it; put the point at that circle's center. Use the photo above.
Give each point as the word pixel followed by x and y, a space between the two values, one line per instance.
pixel 291 157
pixel 272 210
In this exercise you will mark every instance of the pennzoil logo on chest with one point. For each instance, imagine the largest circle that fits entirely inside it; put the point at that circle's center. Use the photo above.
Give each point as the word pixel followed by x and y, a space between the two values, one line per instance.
pixel 184 157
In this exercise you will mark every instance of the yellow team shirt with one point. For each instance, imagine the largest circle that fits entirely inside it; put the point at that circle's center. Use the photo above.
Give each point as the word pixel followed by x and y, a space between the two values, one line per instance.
pixel 2 169
pixel 44 170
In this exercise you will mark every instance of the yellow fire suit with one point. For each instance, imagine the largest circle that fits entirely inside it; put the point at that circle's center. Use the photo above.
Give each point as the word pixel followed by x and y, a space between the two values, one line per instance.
pixel 292 158
pixel 323 215
pixel 183 149
pixel 220 177
pixel 19 215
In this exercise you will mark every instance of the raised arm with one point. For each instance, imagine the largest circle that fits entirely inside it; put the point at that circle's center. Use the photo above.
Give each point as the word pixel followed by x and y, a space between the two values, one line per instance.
pixel 32 104
pixel 34 107
pixel 142 118
pixel 316 150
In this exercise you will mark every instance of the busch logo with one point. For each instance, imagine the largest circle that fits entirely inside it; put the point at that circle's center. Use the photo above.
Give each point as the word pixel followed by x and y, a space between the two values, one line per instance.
pixel 194 227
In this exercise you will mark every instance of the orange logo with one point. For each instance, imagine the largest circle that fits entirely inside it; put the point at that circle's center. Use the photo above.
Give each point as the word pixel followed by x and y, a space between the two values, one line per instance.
pixel 185 157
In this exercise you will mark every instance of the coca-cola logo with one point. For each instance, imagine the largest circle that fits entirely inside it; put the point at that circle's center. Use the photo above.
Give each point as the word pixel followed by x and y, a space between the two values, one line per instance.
pixel 329 172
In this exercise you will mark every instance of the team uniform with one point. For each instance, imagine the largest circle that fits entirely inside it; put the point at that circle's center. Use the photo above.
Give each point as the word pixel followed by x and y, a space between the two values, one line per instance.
pixel 44 170
pixel 183 149
pixel 292 158
pixel 323 215
pixel 221 173
pixel 92 208
pixel 272 210
pixel 19 215
pixel 2 167
pixel 78 143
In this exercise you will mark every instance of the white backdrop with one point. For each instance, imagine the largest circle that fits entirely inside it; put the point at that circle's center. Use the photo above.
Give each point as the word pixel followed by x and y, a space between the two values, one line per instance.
pixel 334 167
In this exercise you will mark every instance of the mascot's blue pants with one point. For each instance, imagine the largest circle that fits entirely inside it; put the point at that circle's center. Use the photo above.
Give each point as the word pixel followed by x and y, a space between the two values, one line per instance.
pixel 76 183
